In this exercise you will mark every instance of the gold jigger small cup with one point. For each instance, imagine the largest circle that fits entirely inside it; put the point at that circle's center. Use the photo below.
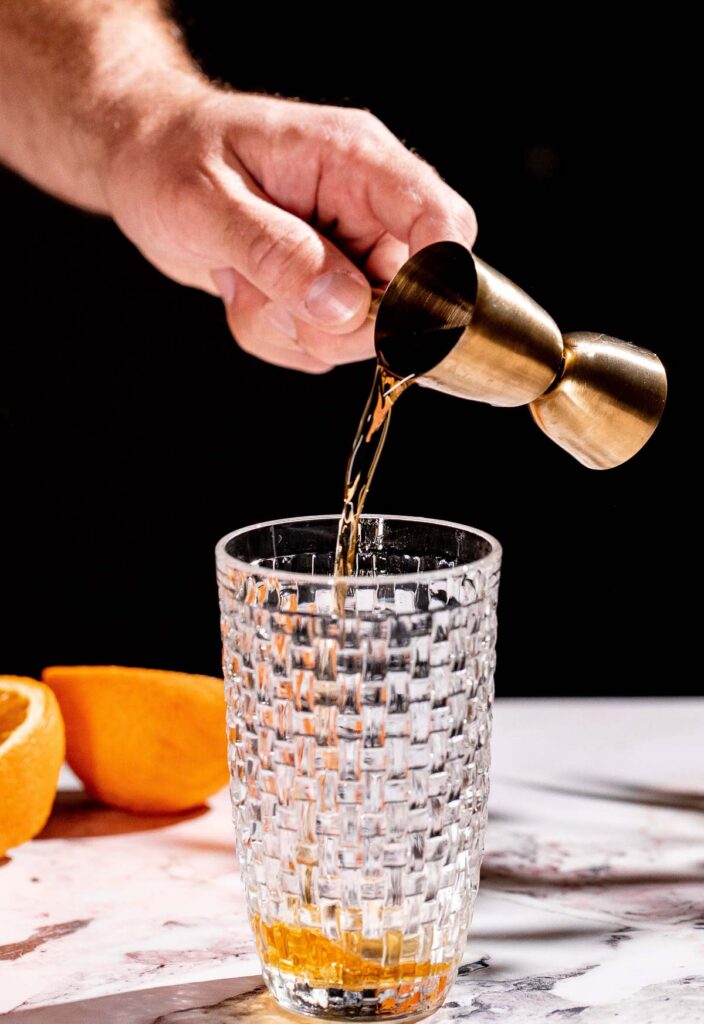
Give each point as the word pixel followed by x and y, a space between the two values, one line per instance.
pixel 459 326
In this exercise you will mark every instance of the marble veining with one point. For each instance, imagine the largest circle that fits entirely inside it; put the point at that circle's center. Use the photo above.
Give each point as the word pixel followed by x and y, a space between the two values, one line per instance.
pixel 590 909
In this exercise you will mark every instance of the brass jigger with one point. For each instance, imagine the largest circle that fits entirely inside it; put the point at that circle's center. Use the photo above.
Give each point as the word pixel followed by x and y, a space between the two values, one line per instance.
pixel 459 326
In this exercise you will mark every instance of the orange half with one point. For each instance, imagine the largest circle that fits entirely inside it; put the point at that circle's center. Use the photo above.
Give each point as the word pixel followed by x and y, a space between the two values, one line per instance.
pixel 31 754
pixel 141 739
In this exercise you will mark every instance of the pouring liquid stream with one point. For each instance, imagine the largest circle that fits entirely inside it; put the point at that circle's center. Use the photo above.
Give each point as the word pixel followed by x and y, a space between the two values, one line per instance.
pixel 367 446
pixel 413 352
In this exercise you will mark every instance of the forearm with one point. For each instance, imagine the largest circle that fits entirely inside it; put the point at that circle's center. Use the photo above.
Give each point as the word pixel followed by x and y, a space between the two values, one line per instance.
pixel 286 208
pixel 77 76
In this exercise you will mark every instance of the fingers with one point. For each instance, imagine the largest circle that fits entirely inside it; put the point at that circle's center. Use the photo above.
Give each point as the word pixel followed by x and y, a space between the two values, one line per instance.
pixel 271 353
pixel 267 330
pixel 406 194
pixel 386 258
pixel 285 259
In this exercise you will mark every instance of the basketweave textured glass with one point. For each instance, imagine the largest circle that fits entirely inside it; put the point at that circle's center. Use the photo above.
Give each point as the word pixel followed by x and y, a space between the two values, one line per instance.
pixel 359 754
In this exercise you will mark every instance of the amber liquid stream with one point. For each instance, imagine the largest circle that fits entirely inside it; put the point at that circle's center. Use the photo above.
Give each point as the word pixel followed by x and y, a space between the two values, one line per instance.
pixel 368 442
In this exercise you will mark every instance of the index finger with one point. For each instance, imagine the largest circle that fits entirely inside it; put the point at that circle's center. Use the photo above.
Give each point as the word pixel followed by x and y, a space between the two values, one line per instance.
pixel 407 195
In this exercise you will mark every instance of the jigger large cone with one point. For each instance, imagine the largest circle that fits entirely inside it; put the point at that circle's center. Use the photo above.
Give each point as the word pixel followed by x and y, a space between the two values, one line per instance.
pixel 461 327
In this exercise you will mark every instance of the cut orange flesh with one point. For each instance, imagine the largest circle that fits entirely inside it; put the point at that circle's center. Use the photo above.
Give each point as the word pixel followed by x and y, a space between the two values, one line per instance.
pixel 31 753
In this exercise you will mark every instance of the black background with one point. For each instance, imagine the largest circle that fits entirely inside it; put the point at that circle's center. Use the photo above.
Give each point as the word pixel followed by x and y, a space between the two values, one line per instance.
pixel 135 433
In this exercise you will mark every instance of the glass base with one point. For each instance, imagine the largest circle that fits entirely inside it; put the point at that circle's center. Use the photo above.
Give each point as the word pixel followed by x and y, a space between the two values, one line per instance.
pixel 412 1000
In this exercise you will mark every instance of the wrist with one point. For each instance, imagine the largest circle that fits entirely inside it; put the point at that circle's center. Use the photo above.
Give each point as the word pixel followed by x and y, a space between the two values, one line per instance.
pixel 128 122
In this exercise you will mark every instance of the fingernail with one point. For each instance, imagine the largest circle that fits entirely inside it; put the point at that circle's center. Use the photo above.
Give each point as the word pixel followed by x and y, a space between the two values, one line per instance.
pixel 281 319
pixel 336 297
pixel 224 280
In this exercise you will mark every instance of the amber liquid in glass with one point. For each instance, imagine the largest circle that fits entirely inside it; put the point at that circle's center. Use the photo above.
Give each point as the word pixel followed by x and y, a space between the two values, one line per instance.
pixel 352 963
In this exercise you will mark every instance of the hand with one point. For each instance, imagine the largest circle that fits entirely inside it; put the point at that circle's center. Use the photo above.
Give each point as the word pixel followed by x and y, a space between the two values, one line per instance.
pixel 287 209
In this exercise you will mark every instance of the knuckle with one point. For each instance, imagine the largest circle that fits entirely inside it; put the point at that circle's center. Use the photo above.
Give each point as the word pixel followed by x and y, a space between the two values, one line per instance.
pixel 281 260
pixel 429 175
pixel 367 119
pixel 349 126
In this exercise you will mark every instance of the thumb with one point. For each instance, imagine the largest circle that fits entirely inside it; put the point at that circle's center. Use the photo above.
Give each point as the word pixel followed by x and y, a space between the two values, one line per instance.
pixel 291 263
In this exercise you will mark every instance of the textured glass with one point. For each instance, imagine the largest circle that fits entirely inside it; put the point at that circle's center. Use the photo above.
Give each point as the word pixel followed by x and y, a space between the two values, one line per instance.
pixel 359 754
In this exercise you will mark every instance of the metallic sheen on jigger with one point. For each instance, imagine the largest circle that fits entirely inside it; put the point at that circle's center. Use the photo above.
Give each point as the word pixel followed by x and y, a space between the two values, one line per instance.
pixel 461 327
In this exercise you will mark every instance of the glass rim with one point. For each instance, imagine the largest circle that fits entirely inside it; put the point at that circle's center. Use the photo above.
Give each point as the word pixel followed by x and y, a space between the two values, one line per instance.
pixel 226 560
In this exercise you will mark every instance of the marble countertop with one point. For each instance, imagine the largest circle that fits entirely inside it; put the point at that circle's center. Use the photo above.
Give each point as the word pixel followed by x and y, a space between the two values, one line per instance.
pixel 591 905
